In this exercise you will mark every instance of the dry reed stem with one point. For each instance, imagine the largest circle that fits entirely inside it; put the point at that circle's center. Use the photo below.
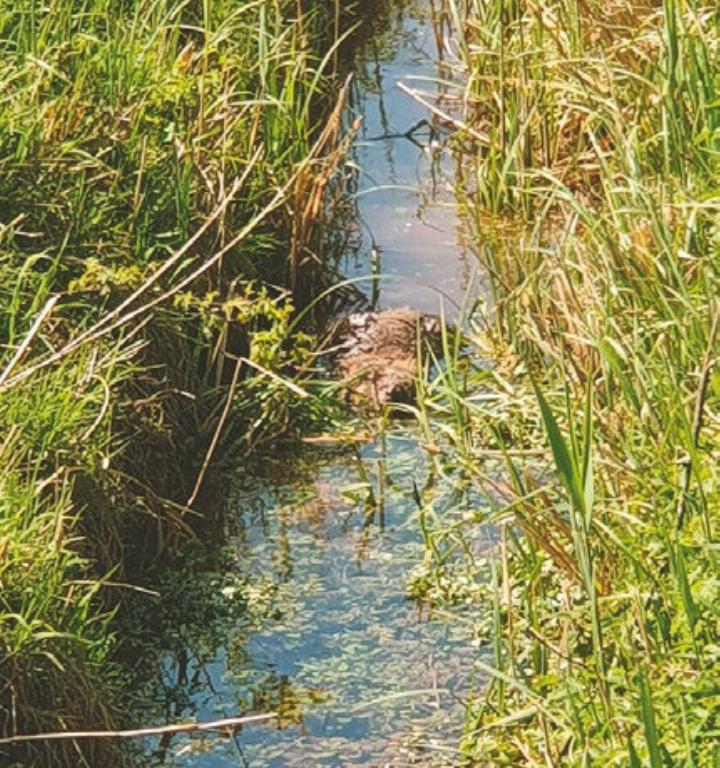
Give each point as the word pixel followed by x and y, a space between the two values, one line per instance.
pixel 27 341
pixel 216 434
pixel 228 723
pixel 309 191
pixel 708 365
pixel 479 136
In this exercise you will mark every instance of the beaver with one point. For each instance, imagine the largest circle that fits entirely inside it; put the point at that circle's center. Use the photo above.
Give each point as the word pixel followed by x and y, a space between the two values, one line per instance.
pixel 378 355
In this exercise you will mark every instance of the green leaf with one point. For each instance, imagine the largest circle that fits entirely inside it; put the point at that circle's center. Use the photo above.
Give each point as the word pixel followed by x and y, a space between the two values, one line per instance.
pixel 689 604
pixel 564 461
pixel 648 720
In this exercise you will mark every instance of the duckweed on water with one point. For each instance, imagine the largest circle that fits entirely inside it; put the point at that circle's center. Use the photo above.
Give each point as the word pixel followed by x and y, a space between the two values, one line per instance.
pixel 327 638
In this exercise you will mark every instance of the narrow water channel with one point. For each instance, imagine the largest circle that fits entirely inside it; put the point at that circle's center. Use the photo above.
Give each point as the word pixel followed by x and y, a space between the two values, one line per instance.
pixel 320 550
pixel 411 235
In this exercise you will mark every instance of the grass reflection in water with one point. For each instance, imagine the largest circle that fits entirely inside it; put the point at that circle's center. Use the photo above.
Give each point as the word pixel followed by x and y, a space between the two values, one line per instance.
pixel 306 614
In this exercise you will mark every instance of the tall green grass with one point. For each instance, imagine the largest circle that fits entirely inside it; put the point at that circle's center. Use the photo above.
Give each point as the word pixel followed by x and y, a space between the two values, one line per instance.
pixel 596 202
pixel 157 161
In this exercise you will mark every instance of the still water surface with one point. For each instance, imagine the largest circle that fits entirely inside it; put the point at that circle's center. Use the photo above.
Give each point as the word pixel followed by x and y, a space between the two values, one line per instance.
pixel 318 554
pixel 405 197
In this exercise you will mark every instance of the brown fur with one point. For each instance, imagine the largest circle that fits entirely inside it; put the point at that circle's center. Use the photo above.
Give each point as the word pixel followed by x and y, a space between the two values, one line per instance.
pixel 379 353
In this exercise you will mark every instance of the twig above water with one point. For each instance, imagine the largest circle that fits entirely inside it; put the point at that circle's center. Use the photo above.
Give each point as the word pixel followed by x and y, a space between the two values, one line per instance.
pixel 228 723
pixel 481 137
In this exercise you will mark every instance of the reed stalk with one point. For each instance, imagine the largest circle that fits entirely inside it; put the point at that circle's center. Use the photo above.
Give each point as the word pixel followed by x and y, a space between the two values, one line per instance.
pixel 594 204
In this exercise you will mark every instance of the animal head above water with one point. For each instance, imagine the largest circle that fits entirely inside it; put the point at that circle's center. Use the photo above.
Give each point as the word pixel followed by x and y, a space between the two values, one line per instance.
pixel 379 354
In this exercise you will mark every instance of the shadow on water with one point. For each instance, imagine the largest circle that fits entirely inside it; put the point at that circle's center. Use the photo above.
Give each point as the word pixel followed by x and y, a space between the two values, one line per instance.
pixel 304 610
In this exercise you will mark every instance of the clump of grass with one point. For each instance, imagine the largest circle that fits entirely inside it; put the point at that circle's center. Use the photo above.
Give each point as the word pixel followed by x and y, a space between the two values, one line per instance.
pixel 595 200
pixel 164 169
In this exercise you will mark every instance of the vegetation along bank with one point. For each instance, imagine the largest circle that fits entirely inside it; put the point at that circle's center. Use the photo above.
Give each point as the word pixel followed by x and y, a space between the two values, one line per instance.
pixel 164 170
pixel 591 187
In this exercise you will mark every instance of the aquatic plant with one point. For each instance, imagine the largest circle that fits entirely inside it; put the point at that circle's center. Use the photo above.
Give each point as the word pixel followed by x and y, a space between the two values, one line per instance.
pixel 156 159
pixel 590 184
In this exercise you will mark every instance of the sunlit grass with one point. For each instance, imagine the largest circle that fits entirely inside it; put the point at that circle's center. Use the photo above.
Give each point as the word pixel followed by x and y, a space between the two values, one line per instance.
pixel 595 207
pixel 163 171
